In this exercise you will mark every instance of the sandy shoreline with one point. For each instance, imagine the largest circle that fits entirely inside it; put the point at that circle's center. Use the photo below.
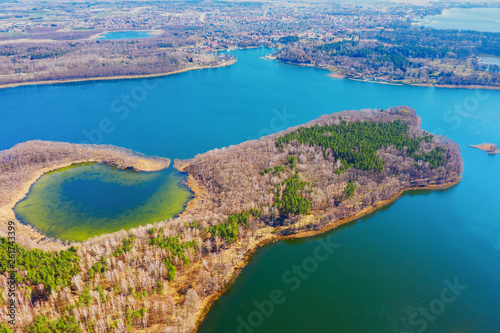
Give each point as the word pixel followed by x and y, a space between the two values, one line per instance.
pixel 378 82
pixel 428 85
pixel 197 190
pixel 207 302
pixel 449 86
pixel 121 77
pixel 336 75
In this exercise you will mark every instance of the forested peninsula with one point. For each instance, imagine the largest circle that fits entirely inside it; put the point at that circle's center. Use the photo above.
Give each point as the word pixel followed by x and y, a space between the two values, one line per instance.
pixel 302 181
pixel 401 55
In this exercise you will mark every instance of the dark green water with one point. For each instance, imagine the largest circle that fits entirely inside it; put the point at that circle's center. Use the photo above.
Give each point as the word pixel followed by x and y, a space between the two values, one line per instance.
pixel 384 270
pixel 82 201
pixel 387 266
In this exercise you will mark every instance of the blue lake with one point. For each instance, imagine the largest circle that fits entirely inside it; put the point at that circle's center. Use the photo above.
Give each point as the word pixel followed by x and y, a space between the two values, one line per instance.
pixel 387 266
pixel 127 35
pixel 480 19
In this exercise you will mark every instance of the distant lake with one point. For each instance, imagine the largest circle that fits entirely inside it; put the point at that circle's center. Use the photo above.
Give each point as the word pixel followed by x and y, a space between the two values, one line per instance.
pixel 480 19
pixel 489 60
pixel 389 264
pixel 127 35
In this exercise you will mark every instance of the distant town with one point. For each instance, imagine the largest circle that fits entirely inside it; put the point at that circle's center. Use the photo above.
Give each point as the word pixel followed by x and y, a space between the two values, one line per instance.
pixel 68 41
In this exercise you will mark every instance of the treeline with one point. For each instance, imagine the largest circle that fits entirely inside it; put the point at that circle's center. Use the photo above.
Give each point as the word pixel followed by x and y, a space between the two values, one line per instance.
pixel 468 42
pixel 25 62
pixel 229 229
pixel 175 249
pixel 288 39
pixel 41 52
pixel 41 271
pixel 356 144
pixel 362 50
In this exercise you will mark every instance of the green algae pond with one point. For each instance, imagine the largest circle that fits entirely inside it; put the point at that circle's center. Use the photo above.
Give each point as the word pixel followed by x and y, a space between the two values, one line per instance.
pixel 86 200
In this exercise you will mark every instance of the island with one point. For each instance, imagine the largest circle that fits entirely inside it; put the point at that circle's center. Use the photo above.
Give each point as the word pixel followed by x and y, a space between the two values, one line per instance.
pixel 487 147
pixel 295 183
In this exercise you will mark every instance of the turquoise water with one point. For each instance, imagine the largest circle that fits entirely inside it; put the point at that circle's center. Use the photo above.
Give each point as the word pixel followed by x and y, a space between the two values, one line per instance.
pixel 127 35
pixel 85 200
pixel 387 266
pixel 480 19
pixel 179 116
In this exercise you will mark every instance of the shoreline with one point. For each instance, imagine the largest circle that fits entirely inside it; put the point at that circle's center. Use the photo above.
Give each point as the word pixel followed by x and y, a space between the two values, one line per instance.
pixel 427 85
pixel 336 75
pixel 27 160
pixel 193 187
pixel 108 78
pixel 26 186
pixel 207 302
pixel 471 86
pixel 378 82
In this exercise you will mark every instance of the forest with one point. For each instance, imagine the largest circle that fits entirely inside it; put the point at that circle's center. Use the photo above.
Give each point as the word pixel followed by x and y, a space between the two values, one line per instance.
pixel 404 54
pixel 50 269
pixel 83 59
pixel 356 144
pixel 161 277
pixel 291 201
